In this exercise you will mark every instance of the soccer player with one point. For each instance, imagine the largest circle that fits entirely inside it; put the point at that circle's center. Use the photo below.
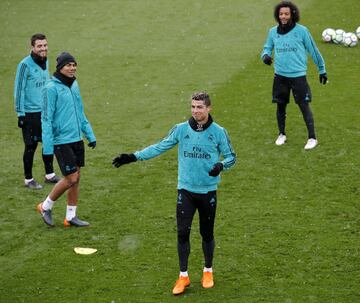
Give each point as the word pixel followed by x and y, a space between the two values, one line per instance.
pixel 31 76
pixel 201 142
pixel 291 42
pixel 63 122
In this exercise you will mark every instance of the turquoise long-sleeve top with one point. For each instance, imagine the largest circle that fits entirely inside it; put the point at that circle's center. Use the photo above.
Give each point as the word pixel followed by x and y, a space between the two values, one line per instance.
pixel 291 51
pixel 198 152
pixel 29 82
pixel 63 119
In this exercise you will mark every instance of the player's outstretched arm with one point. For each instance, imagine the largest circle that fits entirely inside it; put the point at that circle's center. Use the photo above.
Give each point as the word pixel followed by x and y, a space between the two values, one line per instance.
pixel 123 159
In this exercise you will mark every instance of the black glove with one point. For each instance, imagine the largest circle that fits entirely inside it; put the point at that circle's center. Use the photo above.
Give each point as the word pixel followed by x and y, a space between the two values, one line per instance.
pixel 267 59
pixel 21 121
pixel 92 144
pixel 218 167
pixel 123 159
pixel 323 78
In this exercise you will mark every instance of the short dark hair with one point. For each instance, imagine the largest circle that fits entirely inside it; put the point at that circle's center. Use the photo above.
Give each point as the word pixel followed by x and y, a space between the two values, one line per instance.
pixel 37 37
pixel 202 96
pixel 295 13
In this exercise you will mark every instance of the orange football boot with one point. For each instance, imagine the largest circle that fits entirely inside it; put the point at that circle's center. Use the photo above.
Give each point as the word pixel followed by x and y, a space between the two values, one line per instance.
pixel 180 285
pixel 207 280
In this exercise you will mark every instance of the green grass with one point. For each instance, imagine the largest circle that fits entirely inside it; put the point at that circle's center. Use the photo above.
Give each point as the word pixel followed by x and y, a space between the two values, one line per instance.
pixel 287 227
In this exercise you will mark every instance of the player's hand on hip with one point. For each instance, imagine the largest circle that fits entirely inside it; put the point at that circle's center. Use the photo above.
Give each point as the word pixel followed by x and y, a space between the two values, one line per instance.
pixel 323 78
pixel 123 159
pixel 21 121
pixel 218 167
pixel 267 59
pixel 92 144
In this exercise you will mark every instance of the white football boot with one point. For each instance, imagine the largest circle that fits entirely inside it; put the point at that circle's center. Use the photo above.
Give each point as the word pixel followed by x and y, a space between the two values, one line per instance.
pixel 311 143
pixel 280 140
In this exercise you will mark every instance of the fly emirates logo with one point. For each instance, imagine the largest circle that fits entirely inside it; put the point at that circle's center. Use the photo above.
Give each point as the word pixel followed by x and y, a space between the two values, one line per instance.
pixel 197 153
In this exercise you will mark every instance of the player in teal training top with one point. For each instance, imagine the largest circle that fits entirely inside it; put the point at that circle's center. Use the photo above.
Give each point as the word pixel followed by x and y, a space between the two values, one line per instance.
pixel 31 76
pixel 201 143
pixel 64 122
pixel 291 43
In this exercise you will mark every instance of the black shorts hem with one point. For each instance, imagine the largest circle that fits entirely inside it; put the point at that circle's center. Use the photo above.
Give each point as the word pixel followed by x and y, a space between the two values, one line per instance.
pixel 70 156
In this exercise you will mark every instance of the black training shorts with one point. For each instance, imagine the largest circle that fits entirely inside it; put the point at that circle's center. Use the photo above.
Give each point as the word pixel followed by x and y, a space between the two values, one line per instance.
pixel 70 156
pixel 32 128
pixel 298 85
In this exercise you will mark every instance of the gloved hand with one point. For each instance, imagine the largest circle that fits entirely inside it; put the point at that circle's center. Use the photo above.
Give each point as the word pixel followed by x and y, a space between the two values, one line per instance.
pixel 323 78
pixel 218 167
pixel 267 59
pixel 21 121
pixel 123 159
pixel 92 144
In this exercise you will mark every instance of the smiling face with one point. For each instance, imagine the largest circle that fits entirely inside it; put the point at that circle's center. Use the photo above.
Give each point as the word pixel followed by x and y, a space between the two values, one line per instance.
pixel 199 111
pixel 285 15
pixel 40 48
pixel 69 69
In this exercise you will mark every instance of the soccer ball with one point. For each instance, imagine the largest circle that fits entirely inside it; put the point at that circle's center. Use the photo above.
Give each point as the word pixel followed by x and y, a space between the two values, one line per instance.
pixel 358 32
pixel 338 39
pixel 350 39
pixel 328 35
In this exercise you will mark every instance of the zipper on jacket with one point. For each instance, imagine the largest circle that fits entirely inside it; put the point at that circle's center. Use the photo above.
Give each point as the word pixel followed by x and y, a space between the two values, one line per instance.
pixel 76 113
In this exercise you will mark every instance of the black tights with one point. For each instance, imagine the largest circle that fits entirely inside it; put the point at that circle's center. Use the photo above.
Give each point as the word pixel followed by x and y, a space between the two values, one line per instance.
pixel 307 115
pixel 28 159
pixel 188 203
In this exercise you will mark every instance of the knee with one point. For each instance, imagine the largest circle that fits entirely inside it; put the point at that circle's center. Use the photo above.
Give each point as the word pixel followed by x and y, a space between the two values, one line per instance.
pixel 184 235
pixel 72 179
pixel 207 235
pixel 30 148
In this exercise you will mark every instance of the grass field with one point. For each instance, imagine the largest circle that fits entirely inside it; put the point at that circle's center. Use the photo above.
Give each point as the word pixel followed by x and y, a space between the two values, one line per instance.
pixel 288 221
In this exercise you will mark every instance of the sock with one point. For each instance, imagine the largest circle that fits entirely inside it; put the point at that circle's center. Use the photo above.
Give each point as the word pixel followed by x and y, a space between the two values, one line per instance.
pixel 48 204
pixel 208 249
pixel 49 176
pixel 207 269
pixel 183 252
pixel 48 163
pixel 70 212
pixel 27 181
pixel 184 274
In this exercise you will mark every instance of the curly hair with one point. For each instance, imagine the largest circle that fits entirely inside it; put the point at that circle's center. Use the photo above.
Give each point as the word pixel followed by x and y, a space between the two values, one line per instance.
pixel 295 13
pixel 202 96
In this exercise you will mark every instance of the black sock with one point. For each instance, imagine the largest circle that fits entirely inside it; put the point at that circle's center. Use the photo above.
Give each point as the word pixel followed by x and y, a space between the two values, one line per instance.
pixel 183 252
pixel 208 249
pixel 281 117
pixel 48 163
pixel 28 159
pixel 308 118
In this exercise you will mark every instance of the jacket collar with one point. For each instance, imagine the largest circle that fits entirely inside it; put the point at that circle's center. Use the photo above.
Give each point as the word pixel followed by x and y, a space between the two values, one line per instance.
pixel 63 79
pixel 199 127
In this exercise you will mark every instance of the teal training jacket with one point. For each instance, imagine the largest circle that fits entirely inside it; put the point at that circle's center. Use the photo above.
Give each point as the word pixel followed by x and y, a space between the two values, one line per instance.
pixel 198 152
pixel 291 51
pixel 29 82
pixel 63 119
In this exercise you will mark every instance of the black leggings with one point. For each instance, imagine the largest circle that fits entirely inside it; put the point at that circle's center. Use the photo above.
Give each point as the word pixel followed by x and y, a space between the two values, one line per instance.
pixel 187 203
pixel 28 159
pixel 307 115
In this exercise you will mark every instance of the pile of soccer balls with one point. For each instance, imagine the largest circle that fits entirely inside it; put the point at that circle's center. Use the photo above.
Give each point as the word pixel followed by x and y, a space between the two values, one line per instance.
pixel 339 36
